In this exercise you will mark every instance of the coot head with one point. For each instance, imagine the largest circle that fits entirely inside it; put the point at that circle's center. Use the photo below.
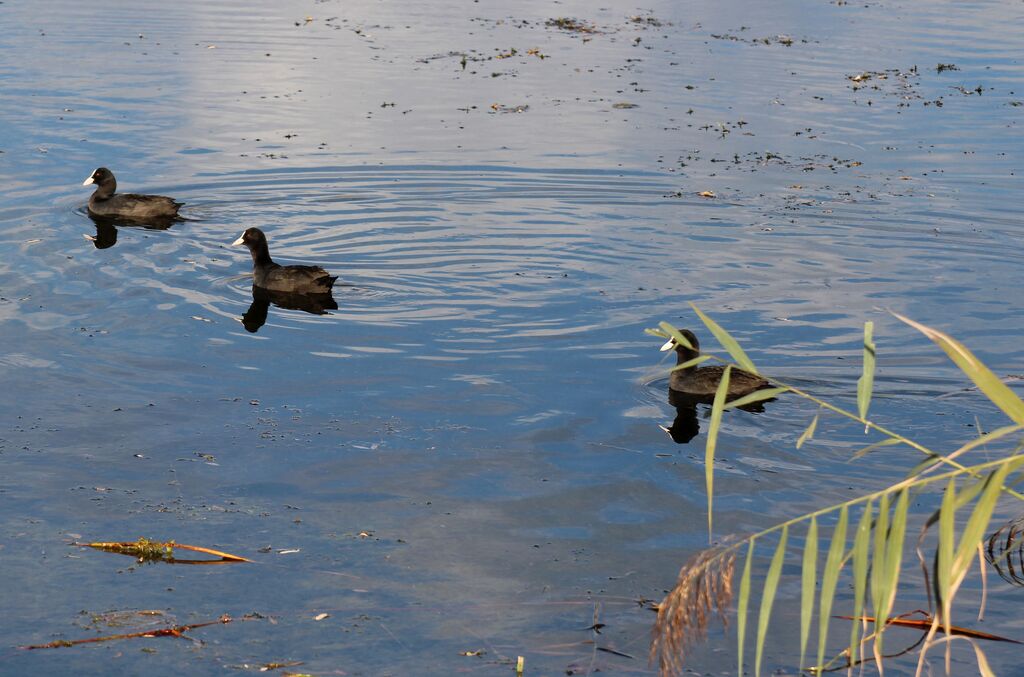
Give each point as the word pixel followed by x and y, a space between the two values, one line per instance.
pixel 253 238
pixel 101 177
pixel 685 353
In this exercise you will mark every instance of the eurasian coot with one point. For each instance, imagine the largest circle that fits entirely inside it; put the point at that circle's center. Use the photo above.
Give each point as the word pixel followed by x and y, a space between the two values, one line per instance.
pixel 105 202
pixel 269 275
pixel 703 381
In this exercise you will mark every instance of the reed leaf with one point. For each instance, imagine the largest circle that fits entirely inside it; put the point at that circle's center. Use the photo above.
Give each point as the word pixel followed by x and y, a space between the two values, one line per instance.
pixel 929 461
pixel 756 396
pixel 712 441
pixel 691 363
pixel 808 433
pixel 887 442
pixel 877 575
pixel 894 548
pixel 970 492
pixel 830 577
pixel 727 341
pixel 866 382
pixel 987 382
pixel 675 334
pixel 742 604
pixel 984 669
pixel 944 559
pixel 977 523
pixel 861 545
pixel 996 434
pixel 890 567
pixel 771 584
pixel 809 576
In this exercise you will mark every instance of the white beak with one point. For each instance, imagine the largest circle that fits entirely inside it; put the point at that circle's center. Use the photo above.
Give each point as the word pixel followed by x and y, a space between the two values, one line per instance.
pixel 90 238
pixel 240 240
pixel 669 345
pixel 88 181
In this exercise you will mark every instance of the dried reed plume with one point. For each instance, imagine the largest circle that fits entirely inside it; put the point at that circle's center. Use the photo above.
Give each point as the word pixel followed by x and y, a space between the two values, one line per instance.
pixel 704 588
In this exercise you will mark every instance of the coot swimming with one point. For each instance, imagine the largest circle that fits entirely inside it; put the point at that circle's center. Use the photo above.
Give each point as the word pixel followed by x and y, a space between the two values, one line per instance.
pixel 105 202
pixel 703 381
pixel 270 275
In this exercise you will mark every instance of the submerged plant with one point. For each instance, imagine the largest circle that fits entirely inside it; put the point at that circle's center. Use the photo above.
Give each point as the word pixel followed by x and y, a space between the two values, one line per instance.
pixel 868 538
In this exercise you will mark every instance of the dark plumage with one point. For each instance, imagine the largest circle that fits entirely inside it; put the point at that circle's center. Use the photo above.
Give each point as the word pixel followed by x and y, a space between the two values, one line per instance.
pixel 104 201
pixel 269 275
pixel 703 381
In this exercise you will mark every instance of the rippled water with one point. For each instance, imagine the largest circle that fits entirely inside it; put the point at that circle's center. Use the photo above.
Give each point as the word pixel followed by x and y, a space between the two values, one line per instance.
pixel 465 455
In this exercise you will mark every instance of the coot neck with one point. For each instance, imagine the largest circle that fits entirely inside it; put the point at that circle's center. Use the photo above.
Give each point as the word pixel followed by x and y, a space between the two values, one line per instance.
pixel 684 354
pixel 261 255
pixel 105 190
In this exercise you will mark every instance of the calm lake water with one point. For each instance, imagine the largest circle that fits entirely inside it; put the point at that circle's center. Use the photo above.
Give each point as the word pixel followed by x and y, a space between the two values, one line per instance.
pixel 466 456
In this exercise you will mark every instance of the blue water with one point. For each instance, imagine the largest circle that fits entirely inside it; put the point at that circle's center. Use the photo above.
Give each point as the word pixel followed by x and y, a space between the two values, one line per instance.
pixel 466 455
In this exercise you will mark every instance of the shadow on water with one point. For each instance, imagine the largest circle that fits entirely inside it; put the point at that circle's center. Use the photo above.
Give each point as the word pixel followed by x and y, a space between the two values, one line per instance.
pixel 686 424
pixel 106 227
pixel 256 316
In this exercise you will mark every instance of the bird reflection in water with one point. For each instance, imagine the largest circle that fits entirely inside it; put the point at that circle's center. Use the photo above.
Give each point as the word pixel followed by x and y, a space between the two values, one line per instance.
pixel 106 228
pixel 256 316
pixel 686 424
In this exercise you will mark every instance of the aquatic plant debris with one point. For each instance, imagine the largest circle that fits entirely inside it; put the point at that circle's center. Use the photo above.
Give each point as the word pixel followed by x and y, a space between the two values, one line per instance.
pixel 926 622
pixel 147 550
pixel 571 25
pixel 177 631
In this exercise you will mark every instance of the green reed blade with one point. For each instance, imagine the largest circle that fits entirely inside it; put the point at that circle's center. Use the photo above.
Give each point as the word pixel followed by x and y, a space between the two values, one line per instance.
pixel 987 382
pixel 691 363
pixel 944 561
pixel 864 451
pixel 727 341
pixel 808 433
pixel 861 545
pixel 809 576
pixel 712 441
pixel 756 396
pixel 742 604
pixel 877 575
pixel 866 382
pixel 771 585
pixel 830 578
pixel 674 333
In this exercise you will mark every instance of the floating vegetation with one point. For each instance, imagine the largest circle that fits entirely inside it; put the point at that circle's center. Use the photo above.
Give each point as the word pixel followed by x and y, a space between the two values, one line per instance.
pixel 146 550
pixel 761 160
pixel 969 92
pixel 500 108
pixel 723 129
pixel 464 56
pixel 891 82
pixel 571 25
pixel 648 21
pixel 176 631
pixel 784 40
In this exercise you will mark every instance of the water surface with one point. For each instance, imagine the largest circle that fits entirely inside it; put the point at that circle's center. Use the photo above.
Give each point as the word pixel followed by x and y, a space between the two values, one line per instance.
pixel 466 455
